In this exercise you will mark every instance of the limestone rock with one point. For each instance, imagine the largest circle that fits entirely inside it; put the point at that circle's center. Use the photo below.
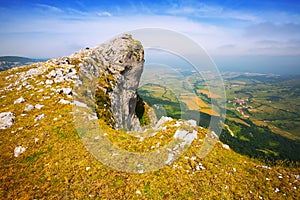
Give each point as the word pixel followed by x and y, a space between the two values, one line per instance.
pixel 18 150
pixel 6 120
pixel 39 106
pixel 19 100
pixel 62 101
pixel 118 65
pixel 126 69
pixel 28 107
pixel 67 91
pixel 40 117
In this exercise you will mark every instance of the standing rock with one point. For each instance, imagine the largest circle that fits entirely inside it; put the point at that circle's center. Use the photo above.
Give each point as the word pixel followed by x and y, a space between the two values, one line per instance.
pixel 126 68
pixel 6 120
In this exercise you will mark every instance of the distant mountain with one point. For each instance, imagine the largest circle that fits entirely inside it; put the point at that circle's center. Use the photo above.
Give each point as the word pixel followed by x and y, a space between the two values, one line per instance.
pixel 8 62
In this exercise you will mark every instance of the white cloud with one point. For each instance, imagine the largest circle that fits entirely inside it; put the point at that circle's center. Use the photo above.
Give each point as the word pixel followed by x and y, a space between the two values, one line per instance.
pixel 64 32
pixel 104 14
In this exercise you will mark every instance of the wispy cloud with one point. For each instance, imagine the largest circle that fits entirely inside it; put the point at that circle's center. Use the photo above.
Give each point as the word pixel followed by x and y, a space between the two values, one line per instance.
pixel 104 14
pixel 202 10
pixel 48 8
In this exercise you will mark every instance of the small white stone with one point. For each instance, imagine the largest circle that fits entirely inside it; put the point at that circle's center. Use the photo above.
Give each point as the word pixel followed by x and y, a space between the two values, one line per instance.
pixel 49 82
pixel 39 106
pixel 19 100
pixel 67 91
pixel 41 83
pixel 55 119
pixel 141 139
pixel 36 140
pixel 276 190
pixel 62 101
pixel 87 168
pixel 234 169
pixel 28 107
pixel 226 146
pixel 280 177
pixel 193 158
pixel 18 150
pixel 38 118
pixel 138 192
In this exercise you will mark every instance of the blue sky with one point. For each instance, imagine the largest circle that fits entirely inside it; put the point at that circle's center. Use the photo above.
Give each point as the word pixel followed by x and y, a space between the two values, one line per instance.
pixel 244 29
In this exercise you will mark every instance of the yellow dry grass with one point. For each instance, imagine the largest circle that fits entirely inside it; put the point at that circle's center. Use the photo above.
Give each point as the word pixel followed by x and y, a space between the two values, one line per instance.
pixel 209 94
pixel 195 103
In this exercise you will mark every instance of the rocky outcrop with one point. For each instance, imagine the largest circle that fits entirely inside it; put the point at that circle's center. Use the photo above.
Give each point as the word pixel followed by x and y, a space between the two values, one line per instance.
pixel 106 77
pixel 117 67
pixel 126 58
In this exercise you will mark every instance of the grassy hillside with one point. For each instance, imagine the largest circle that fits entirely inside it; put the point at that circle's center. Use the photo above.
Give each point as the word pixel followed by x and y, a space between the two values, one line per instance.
pixel 56 164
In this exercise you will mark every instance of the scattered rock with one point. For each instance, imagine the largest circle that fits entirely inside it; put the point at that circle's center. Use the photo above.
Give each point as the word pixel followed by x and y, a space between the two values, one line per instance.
pixel 40 117
pixel 225 146
pixel 138 192
pixel 6 120
pixel 186 136
pixel 36 140
pixel 39 106
pixel 62 101
pixel 162 120
pixel 49 82
pixel 34 72
pixel 28 107
pixel 67 91
pixel 19 100
pixel 18 150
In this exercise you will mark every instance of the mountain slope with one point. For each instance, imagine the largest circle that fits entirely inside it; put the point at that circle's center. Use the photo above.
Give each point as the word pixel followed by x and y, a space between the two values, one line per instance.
pixel 42 154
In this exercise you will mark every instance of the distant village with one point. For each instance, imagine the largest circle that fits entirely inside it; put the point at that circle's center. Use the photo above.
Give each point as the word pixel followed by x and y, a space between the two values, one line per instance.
pixel 240 105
